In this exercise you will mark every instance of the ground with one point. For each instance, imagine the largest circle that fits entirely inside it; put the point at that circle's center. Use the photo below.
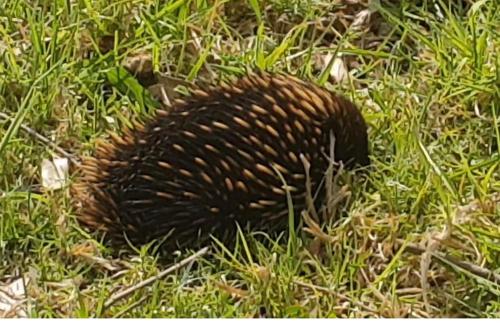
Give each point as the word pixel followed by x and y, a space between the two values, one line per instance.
pixel 418 237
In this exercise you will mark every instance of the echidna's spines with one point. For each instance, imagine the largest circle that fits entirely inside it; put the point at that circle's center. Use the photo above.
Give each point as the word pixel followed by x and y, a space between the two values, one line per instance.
pixel 213 158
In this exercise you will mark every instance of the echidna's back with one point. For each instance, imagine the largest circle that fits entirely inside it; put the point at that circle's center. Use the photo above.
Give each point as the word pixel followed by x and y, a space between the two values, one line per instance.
pixel 217 158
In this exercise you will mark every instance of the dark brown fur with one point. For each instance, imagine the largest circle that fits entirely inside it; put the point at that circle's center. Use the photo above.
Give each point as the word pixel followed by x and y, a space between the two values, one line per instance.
pixel 214 159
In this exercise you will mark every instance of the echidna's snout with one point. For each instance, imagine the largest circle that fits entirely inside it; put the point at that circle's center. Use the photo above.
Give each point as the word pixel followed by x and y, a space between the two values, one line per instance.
pixel 349 134
pixel 360 154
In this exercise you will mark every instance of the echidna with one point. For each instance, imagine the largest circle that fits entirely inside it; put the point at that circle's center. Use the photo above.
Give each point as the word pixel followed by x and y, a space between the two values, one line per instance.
pixel 219 158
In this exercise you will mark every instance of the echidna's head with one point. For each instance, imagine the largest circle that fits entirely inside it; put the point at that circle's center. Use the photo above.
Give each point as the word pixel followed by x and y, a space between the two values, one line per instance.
pixel 351 136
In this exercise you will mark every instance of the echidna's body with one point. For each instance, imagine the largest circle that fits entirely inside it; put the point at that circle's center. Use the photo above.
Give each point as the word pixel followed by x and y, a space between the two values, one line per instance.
pixel 213 160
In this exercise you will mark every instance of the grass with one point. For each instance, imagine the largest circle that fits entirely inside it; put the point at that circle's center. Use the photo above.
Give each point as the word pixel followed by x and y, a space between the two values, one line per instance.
pixel 426 77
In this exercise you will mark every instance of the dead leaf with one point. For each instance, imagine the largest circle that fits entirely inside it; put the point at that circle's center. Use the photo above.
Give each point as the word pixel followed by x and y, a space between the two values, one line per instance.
pixel 13 299
pixel 54 173
pixel 339 70
pixel 263 273
pixel 233 291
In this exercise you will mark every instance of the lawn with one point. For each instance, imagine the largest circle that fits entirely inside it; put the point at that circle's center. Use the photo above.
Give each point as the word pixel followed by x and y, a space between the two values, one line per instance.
pixel 418 236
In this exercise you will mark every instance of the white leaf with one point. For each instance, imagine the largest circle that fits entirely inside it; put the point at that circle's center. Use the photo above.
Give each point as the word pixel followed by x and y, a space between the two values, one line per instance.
pixel 54 173
pixel 339 70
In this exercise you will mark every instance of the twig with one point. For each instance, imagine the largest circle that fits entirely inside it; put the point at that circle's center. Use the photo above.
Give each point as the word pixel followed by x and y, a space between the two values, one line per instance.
pixel 331 180
pixel 314 229
pixel 433 242
pixel 470 267
pixel 120 295
pixel 309 196
pixel 44 140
